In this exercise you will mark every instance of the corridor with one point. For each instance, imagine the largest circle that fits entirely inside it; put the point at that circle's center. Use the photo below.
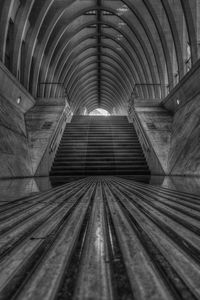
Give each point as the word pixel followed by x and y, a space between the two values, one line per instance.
pixel 99 150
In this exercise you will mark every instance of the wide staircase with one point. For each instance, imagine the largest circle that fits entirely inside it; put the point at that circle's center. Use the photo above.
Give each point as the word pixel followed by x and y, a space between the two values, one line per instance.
pixel 99 146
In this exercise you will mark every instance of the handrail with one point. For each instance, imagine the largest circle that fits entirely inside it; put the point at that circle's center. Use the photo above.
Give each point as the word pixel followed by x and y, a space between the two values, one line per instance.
pixel 58 126
pixel 52 145
pixel 141 130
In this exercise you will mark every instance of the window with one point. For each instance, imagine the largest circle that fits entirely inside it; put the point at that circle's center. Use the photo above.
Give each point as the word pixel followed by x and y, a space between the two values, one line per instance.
pixel 99 112
pixel 188 60
pixel 9 42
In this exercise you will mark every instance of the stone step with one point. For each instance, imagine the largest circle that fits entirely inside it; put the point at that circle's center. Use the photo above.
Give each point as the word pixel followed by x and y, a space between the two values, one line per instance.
pixel 99 146
pixel 97 172
pixel 101 163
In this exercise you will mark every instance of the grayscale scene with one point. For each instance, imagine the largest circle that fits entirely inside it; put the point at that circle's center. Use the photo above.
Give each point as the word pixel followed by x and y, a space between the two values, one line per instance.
pixel 99 149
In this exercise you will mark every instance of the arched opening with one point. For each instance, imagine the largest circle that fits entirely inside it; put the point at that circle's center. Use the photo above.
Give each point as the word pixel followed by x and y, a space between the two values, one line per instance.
pixel 99 112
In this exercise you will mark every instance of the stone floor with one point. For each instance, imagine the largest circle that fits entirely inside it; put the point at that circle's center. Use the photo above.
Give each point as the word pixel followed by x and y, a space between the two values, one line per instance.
pixel 100 238
pixel 15 188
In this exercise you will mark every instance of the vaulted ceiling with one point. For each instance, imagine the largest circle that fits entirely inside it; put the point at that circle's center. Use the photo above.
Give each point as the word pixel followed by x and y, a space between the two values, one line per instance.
pixel 98 52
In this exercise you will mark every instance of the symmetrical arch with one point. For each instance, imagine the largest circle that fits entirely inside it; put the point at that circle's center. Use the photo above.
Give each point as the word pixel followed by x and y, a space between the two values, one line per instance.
pixel 97 52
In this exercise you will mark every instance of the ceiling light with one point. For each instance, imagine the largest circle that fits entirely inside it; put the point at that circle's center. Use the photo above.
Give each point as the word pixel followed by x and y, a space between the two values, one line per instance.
pixel 19 99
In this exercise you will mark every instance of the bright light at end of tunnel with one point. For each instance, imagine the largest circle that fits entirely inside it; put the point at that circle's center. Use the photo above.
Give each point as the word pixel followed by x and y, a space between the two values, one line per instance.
pixel 99 112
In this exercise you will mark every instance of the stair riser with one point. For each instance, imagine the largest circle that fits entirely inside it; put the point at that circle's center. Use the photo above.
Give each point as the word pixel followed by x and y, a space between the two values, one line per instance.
pixel 136 159
pixel 105 166
pixel 99 152
pixel 85 137
pixel 103 173
pixel 102 165
pixel 99 146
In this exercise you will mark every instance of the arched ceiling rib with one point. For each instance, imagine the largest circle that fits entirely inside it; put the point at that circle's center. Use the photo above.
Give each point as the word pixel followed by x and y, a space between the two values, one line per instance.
pixel 96 51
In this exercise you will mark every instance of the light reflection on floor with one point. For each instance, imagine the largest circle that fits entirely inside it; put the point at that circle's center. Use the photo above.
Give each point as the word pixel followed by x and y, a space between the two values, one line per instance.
pixel 16 188
pixel 11 189
pixel 187 184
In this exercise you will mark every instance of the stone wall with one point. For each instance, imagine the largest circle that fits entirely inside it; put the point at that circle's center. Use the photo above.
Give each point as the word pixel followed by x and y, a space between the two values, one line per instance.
pixel 184 153
pixel 26 127
pixel 41 122
pixel 154 132
pixel 14 151
pixel 48 155
pixel 184 156
pixel 173 129
pixel 157 122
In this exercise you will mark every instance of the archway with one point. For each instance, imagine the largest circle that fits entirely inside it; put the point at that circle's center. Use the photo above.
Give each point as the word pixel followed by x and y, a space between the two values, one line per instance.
pixel 99 112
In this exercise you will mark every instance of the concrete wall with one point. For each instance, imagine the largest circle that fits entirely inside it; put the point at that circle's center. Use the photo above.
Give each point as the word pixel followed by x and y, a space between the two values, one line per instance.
pixel 156 123
pixel 41 123
pixel 12 189
pixel 186 184
pixel 14 151
pixel 154 132
pixel 26 128
pixel 173 129
pixel 184 153
pixel 11 89
pixel 48 156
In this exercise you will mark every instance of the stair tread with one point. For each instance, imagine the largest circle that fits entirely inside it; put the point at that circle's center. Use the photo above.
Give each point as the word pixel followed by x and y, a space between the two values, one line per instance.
pixel 99 145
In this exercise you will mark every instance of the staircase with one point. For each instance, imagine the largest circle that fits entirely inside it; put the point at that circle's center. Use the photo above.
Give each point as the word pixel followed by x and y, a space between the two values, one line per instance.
pixel 96 145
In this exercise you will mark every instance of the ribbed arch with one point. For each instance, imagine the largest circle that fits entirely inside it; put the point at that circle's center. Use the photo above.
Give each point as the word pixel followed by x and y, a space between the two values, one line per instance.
pixel 122 70
pixel 129 54
pixel 90 59
pixel 91 97
pixel 5 14
pixel 120 32
pixel 175 36
pixel 105 82
pixel 95 51
pixel 122 61
pixel 191 29
pixel 126 37
pixel 111 71
pixel 93 84
pixel 74 69
pixel 40 55
pixel 132 45
pixel 108 75
pixel 117 61
pixel 92 91
pixel 92 100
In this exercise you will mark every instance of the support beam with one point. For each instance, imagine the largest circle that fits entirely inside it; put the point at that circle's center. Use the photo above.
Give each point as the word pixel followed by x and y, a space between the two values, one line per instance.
pixel 99 50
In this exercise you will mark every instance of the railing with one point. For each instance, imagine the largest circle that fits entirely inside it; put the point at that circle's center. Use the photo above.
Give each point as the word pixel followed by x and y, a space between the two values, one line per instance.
pixel 140 130
pixel 49 154
pixel 58 130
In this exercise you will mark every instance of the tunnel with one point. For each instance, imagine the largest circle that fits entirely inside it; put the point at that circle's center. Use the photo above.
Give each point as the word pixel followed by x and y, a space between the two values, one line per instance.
pixel 99 149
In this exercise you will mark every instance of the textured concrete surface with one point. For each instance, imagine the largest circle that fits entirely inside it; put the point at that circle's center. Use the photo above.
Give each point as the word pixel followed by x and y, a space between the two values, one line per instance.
pixel 184 157
pixel 11 89
pixel 101 238
pixel 14 151
pixel 187 184
pixel 41 122
pixel 157 123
